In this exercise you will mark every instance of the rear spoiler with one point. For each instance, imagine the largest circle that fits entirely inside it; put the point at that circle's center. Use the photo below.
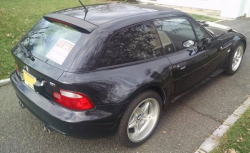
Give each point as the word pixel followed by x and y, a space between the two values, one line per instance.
pixel 69 20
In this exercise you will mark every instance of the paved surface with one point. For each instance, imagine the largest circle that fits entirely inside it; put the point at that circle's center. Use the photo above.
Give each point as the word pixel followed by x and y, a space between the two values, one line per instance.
pixel 183 127
pixel 210 13
pixel 205 12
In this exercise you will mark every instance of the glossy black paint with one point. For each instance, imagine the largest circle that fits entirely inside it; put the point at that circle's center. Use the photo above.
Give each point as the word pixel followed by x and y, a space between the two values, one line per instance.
pixel 104 13
pixel 99 122
pixel 112 88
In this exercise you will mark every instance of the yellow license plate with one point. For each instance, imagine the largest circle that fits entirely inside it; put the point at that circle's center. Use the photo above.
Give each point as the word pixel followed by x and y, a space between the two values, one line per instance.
pixel 29 79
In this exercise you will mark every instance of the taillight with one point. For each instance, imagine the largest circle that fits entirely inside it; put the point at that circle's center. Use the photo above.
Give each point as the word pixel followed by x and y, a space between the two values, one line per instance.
pixel 59 21
pixel 73 100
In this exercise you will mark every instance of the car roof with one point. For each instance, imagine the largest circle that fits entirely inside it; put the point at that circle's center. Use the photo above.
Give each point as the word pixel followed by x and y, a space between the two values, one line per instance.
pixel 102 21
pixel 103 13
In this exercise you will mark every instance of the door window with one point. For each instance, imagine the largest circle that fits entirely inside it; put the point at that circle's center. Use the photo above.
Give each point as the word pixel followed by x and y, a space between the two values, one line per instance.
pixel 200 32
pixel 165 40
pixel 134 43
pixel 178 30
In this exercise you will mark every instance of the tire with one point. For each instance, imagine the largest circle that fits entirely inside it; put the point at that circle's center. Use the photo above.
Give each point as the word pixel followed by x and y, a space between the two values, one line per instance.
pixel 231 70
pixel 137 114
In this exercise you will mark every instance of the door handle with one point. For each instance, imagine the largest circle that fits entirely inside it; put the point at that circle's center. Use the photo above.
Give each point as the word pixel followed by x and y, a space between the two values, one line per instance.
pixel 181 66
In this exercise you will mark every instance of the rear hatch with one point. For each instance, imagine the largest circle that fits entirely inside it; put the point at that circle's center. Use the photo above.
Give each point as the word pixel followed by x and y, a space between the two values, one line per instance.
pixel 45 52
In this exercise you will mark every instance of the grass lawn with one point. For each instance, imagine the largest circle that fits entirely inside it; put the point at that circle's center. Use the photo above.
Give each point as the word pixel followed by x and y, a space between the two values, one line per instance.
pixel 237 139
pixel 18 16
pixel 202 17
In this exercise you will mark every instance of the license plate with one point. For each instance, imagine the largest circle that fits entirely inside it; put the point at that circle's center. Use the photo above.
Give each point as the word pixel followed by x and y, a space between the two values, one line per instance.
pixel 29 79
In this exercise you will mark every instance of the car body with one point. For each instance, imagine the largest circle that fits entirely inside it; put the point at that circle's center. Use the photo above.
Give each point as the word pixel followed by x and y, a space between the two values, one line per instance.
pixel 112 81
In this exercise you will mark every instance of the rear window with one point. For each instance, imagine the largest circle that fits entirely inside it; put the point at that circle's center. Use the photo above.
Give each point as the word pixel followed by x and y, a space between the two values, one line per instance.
pixel 53 42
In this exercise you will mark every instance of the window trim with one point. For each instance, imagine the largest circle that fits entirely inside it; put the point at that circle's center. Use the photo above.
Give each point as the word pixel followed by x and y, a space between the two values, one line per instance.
pixel 131 63
pixel 161 40
pixel 204 29
pixel 103 50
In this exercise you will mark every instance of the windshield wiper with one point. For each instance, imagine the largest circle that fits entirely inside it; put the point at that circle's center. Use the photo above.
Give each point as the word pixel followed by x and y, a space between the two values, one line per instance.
pixel 27 53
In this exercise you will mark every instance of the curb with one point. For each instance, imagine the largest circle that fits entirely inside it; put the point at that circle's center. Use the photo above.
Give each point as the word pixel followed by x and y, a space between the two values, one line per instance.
pixel 3 82
pixel 220 21
pixel 223 20
pixel 210 143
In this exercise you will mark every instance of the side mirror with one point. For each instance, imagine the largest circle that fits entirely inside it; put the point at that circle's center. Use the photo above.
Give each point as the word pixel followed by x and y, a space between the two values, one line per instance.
pixel 205 41
pixel 188 43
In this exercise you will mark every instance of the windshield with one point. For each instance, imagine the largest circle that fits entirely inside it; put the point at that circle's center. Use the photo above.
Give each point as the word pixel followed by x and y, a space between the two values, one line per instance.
pixel 52 42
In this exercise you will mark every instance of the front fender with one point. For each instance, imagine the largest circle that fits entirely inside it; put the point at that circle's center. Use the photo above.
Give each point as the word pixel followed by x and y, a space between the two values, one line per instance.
pixel 238 37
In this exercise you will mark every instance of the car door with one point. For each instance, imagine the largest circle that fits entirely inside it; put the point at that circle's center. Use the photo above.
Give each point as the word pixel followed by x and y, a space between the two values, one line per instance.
pixel 188 61
pixel 210 46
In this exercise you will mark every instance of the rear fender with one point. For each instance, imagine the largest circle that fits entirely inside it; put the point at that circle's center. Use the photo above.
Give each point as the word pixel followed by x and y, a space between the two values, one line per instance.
pixel 152 86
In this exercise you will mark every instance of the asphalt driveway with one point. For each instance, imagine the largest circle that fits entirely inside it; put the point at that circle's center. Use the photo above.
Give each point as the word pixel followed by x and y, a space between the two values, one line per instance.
pixel 183 127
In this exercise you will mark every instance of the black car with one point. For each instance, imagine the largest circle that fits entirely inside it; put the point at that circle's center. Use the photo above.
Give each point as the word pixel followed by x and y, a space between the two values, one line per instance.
pixel 109 69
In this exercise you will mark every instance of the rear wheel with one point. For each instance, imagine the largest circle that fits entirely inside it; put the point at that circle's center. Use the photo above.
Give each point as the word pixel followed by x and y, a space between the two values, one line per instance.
pixel 140 119
pixel 235 59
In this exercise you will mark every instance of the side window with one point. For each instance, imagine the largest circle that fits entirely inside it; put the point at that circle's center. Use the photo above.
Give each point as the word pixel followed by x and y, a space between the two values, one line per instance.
pixel 165 40
pixel 178 30
pixel 134 43
pixel 201 33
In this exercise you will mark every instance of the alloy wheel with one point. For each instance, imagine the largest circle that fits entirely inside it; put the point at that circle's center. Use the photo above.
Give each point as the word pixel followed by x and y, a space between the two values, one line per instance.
pixel 143 120
pixel 237 58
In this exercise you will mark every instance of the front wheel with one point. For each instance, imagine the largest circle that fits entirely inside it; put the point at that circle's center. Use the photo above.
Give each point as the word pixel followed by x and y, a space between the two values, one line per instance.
pixel 235 59
pixel 140 119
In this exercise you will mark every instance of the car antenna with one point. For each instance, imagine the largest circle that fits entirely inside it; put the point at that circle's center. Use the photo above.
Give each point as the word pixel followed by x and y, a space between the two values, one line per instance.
pixel 86 10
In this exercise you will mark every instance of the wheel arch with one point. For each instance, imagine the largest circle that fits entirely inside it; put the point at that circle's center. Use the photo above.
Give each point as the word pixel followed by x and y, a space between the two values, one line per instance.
pixel 154 87
pixel 160 91
pixel 239 38
pixel 236 41
pixel 245 44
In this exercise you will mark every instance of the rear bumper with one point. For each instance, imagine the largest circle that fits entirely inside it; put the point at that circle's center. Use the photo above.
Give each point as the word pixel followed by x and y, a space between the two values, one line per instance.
pixel 100 122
